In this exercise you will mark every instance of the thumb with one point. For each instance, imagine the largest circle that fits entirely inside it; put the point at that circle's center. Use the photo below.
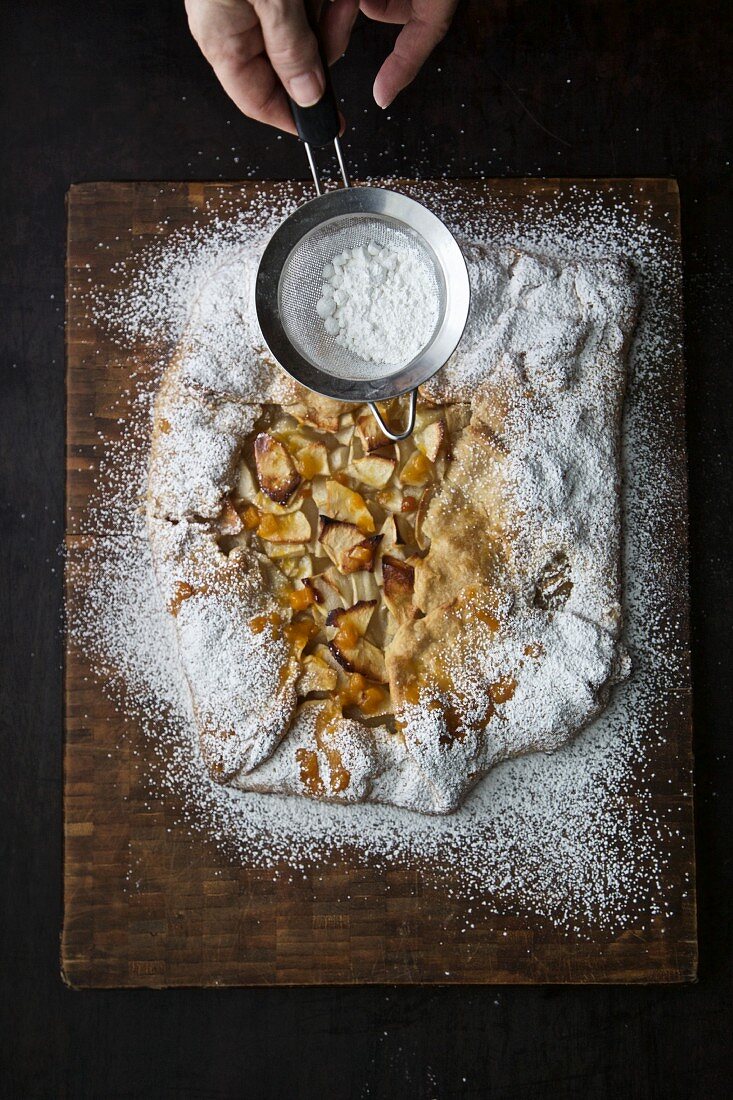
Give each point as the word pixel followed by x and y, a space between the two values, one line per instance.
pixel 292 49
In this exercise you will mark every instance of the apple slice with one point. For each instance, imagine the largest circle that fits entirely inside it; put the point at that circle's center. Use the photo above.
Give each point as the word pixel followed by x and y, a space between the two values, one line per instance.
pixel 317 675
pixel 229 521
pixel 426 414
pixel 421 538
pixel 432 439
pixel 297 568
pixel 276 470
pixel 346 545
pixel 371 435
pixel 246 488
pixel 339 502
pixel 391 536
pixel 264 504
pixel 373 470
pixel 399 585
pixel 338 459
pixel 292 527
pixel 318 412
pixel 312 459
pixel 364 586
pixel 363 657
pixel 416 471
pixel 349 646
pixel 277 550
pixel 326 594
pixel 354 619
pixel 391 544
pixel 456 418
pixel 390 499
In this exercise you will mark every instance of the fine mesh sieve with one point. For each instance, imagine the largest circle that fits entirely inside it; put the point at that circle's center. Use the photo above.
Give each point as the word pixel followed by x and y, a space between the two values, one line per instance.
pixel 289 284
pixel 290 277
pixel 301 287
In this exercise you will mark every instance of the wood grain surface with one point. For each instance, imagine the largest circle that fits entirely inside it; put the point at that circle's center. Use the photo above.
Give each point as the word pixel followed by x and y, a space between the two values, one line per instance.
pixel 147 904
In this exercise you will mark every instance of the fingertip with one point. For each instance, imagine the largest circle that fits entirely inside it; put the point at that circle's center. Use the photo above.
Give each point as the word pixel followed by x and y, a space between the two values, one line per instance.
pixel 382 96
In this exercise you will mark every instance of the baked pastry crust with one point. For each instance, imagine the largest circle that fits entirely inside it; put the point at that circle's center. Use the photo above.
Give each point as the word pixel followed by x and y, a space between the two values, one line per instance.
pixel 509 641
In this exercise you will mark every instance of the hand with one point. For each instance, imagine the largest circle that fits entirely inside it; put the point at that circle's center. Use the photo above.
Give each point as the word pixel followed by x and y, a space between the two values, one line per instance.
pixel 425 24
pixel 261 49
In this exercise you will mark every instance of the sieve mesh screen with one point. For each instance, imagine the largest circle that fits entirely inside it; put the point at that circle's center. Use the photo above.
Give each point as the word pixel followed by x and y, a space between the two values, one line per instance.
pixel 301 281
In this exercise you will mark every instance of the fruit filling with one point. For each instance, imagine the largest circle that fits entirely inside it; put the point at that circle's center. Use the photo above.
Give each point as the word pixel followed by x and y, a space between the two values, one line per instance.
pixel 339 512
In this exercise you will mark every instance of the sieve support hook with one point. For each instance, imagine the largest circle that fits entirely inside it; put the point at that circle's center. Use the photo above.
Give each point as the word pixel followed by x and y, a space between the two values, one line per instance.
pixel 314 169
pixel 397 436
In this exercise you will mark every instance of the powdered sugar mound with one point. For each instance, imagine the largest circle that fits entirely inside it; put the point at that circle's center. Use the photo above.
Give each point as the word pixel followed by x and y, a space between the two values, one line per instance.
pixel 381 304
pixel 553 837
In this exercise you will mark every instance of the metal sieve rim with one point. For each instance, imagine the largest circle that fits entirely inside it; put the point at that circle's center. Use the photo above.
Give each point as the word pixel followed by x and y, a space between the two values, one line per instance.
pixel 380 203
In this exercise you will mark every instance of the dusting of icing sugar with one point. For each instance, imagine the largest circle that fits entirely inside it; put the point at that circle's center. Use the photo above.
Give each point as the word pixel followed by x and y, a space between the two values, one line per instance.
pixel 552 836
pixel 368 292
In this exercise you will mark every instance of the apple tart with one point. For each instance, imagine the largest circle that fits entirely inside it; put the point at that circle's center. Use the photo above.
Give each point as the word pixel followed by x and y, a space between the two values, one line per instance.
pixel 359 620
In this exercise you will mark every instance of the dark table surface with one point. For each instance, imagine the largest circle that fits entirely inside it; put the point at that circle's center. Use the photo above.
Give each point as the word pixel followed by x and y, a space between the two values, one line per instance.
pixel 111 90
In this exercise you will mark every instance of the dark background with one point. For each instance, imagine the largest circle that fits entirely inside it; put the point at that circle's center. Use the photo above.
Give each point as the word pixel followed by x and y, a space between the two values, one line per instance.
pixel 117 90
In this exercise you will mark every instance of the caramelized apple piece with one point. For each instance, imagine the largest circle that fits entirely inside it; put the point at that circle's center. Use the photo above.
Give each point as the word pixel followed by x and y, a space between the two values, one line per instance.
pixel 312 459
pixel 264 504
pixel 340 502
pixel 276 470
pixel 349 646
pixel 316 676
pixel 346 545
pixel 292 527
pixel 363 657
pixel 391 536
pixel 390 499
pixel 356 618
pixel 371 435
pixel 370 698
pixel 319 412
pixel 373 470
pixel 326 595
pixel 398 586
pixel 432 439
pixel 417 470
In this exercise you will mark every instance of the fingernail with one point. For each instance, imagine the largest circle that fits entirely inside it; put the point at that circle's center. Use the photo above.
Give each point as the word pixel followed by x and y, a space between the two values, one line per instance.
pixel 307 88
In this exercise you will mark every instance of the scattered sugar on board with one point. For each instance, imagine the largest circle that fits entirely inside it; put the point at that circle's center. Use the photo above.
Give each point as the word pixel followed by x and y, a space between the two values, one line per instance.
pixel 546 837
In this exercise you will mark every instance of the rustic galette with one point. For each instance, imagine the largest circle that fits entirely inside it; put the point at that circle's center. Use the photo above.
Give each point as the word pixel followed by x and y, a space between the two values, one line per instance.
pixel 359 620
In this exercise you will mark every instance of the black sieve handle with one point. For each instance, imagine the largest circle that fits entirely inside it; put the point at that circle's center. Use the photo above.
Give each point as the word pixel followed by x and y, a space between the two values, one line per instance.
pixel 319 124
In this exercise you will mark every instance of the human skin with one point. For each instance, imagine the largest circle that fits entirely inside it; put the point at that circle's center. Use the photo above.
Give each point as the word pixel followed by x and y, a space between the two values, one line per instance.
pixel 264 50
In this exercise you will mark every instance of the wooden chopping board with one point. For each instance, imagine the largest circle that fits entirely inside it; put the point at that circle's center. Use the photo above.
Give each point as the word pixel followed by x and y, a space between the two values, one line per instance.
pixel 151 905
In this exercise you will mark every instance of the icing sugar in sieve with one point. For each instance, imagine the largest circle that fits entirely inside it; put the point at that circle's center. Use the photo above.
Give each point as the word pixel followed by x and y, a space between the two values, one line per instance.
pixel 370 308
